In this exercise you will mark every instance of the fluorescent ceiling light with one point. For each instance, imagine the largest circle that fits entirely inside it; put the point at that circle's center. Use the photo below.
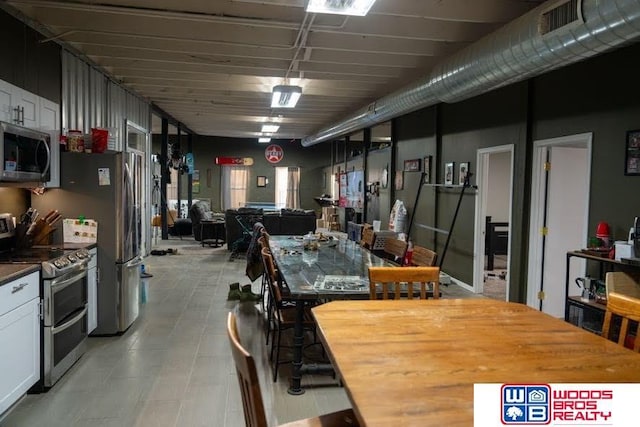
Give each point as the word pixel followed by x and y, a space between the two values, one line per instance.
pixel 340 7
pixel 264 140
pixel 270 128
pixel 285 96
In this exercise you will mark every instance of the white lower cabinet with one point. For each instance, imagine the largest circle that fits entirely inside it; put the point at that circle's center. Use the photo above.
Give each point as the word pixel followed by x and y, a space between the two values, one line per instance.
pixel 19 338
pixel 92 292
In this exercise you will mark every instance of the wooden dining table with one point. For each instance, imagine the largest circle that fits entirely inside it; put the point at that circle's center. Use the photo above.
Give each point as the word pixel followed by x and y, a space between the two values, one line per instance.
pixel 338 269
pixel 415 362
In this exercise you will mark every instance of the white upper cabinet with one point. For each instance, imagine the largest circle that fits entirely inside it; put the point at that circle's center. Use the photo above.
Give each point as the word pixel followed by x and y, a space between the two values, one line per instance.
pixel 19 106
pixel 50 122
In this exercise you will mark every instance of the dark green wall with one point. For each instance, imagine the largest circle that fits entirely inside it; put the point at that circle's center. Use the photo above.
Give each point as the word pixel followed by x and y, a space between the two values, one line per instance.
pixel 598 96
pixel 206 149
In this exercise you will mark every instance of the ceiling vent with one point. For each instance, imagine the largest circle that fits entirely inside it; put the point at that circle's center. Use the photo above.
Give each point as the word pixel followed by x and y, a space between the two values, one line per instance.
pixel 560 15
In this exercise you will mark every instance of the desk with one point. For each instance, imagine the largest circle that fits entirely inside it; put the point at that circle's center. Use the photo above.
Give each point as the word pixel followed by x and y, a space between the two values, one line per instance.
pixel 414 362
pixel 306 277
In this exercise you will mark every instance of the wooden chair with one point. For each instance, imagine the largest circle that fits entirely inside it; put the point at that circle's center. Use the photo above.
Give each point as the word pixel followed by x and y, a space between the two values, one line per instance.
pixel 628 308
pixel 368 238
pixel 395 249
pixel 423 257
pixel 394 279
pixel 254 414
pixel 281 314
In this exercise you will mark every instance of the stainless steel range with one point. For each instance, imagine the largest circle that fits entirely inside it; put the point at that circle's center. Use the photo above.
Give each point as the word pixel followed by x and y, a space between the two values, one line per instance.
pixel 64 305
pixel 65 296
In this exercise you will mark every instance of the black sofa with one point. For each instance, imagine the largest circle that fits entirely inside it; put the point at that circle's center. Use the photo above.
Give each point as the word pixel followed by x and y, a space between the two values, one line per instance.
pixel 290 221
pixel 287 221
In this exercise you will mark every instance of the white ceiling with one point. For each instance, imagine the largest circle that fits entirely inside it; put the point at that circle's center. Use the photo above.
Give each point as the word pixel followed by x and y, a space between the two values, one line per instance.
pixel 211 64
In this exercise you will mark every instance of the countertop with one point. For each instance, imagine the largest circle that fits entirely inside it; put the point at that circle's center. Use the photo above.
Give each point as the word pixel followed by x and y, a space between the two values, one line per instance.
pixel 10 272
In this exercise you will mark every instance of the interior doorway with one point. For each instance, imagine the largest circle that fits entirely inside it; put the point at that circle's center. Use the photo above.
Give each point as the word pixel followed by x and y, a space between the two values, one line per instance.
pixel 561 180
pixel 493 221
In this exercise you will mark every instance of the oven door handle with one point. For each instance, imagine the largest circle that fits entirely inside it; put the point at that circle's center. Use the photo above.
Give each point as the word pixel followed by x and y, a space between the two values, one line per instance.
pixel 70 323
pixel 57 286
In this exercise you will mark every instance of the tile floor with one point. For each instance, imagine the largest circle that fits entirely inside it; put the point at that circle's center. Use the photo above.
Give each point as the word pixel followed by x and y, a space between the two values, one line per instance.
pixel 173 367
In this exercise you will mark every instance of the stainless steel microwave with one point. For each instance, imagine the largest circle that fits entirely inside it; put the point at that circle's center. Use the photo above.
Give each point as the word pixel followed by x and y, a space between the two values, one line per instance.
pixel 25 154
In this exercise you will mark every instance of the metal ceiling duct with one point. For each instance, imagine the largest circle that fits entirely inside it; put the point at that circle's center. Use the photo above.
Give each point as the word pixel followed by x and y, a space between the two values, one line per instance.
pixel 513 53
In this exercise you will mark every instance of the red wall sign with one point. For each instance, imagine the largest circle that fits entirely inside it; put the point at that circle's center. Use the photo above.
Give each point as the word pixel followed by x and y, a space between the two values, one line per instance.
pixel 274 153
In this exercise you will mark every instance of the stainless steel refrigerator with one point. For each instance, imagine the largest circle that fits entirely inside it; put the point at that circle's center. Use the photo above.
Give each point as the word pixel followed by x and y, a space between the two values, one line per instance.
pixel 106 187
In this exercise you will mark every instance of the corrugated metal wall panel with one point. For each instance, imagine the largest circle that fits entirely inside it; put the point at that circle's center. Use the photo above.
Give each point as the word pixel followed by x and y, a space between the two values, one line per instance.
pixel 91 99
pixel 98 83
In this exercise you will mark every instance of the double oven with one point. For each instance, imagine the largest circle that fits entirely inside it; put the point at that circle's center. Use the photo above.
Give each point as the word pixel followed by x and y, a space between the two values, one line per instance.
pixel 64 313
pixel 64 306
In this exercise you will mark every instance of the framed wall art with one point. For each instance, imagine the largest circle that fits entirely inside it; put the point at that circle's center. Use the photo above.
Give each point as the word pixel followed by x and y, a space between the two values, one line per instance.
pixel 463 172
pixel 262 181
pixel 448 173
pixel 412 165
pixel 632 153
pixel 427 170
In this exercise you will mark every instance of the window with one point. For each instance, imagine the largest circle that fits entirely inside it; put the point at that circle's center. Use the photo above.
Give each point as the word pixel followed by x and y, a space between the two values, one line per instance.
pixel 287 187
pixel 235 181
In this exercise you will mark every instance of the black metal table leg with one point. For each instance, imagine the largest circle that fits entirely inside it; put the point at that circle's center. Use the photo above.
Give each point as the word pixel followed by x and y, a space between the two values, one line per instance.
pixel 298 341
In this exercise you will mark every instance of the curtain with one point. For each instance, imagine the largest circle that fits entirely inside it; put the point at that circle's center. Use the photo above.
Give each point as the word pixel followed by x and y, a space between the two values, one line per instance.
pixel 281 187
pixel 235 181
pixel 293 188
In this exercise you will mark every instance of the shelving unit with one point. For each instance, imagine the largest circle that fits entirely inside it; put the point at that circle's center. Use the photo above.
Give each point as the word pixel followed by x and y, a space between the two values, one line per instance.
pixel 589 314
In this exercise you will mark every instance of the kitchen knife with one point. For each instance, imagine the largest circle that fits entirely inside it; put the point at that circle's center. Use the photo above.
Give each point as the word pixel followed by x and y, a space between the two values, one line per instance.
pixel 50 215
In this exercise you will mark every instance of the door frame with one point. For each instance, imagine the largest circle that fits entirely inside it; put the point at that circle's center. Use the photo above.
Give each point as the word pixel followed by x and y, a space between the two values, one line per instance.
pixel 536 219
pixel 482 160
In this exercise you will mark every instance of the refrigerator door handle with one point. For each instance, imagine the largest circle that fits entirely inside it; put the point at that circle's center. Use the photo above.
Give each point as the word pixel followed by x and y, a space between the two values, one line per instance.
pixel 134 262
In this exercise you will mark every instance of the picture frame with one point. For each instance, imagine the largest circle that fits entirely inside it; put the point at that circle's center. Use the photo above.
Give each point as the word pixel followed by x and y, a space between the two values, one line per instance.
pixel 261 181
pixel 632 153
pixel 195 181
pixel 399 181
pixel 448 173
pixel 412 165
pixel 463 171
pixel 427 170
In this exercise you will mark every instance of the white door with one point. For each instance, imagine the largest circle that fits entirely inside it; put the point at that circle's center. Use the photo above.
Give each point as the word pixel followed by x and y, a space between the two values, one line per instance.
pixel 559 218
pixel 495 195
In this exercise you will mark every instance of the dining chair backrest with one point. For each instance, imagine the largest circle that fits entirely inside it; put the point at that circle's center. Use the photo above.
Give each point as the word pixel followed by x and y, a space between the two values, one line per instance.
pixel 272 276
pixel 423 257
pixel 252 404
pixel 395 249
pixel 628 309
pixel 368 237
pixel 398 282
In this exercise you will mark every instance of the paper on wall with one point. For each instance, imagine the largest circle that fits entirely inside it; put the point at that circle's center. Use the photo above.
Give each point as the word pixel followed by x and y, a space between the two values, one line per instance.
pixel 77 231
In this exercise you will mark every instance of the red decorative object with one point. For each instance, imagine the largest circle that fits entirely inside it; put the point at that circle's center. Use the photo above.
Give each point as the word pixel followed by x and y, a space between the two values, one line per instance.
pixel 240 161
pixel 602 230
pixel 274 153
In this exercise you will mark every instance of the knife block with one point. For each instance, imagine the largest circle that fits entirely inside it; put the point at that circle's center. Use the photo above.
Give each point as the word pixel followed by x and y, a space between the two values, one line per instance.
pixel 42 234
pixel 23 240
